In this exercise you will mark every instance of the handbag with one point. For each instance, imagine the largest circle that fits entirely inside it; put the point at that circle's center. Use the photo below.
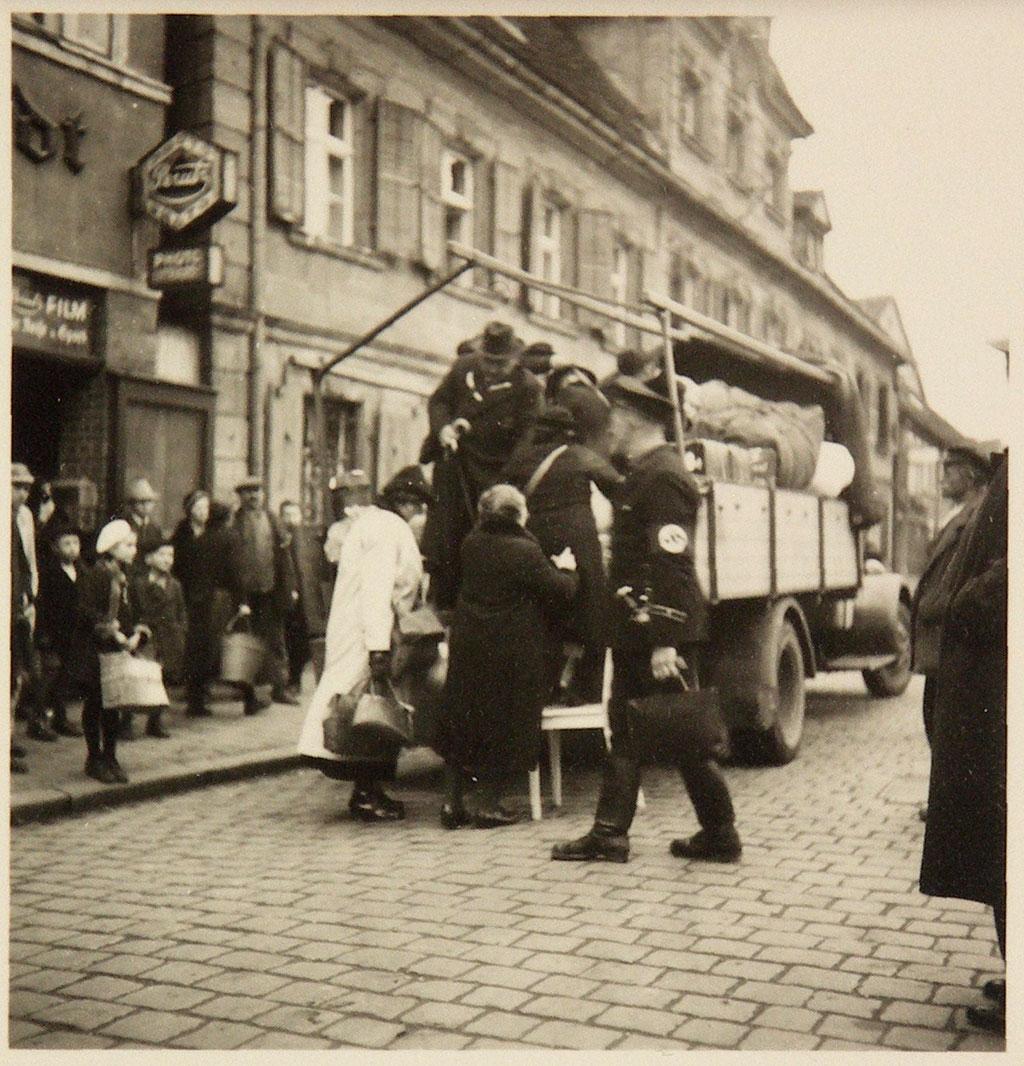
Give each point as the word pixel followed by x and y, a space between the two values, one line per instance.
pixel 670 727
pixel 420 623
pixel 382 715
pixel 127 680
pixel 339 738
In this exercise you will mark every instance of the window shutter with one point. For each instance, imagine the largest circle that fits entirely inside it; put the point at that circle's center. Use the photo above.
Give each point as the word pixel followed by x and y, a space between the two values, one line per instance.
pixel 568 259
pixel 287 134
pixel 508 220
pixel 399 133
pixel 595 244
pixel 532 219
pixel 433 251
pixel 483 216
pixel 364 146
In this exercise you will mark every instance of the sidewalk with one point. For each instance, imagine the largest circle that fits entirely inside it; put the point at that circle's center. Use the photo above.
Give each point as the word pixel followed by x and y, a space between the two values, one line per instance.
pixel 201 751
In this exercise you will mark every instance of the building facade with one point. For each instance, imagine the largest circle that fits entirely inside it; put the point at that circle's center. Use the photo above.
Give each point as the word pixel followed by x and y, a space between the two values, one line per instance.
pixel 101 391
pixel 613 155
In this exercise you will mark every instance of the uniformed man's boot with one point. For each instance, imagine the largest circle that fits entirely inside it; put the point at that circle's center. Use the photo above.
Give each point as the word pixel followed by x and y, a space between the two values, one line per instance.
pixel 608 839
pixel 720 845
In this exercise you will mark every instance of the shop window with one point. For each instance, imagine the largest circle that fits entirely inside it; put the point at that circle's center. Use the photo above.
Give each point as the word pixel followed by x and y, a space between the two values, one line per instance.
pixel 342 427
pixel 457 196
pixel 178 355
pixel 330 167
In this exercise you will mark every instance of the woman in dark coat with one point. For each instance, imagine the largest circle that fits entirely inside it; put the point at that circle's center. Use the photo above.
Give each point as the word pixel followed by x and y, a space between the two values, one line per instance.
pixel 200 564
pixel 561 517
pixel 964 854
pixel 489 728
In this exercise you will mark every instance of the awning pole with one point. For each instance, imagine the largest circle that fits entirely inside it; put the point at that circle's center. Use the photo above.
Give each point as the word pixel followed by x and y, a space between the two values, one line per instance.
pixel 320 429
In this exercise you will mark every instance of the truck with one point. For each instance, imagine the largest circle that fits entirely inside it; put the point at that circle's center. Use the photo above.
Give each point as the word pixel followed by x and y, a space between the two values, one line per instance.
pixel 783 570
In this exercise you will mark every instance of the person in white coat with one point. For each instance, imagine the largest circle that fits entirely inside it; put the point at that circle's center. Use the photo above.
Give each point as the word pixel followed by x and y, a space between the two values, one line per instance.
pixel 379 577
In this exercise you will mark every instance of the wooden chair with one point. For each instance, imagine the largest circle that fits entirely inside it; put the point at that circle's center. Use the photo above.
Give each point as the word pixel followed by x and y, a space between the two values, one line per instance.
pixel 553 721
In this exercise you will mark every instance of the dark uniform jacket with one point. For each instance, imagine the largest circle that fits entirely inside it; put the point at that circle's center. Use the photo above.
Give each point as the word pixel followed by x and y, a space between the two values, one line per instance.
pixel 652 552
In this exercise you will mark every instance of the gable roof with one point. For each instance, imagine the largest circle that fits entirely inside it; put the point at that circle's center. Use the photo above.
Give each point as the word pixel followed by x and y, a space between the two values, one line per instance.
pixel 885 312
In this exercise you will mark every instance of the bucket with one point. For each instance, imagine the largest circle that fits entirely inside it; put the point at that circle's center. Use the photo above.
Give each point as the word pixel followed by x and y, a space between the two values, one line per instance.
pixel 241 656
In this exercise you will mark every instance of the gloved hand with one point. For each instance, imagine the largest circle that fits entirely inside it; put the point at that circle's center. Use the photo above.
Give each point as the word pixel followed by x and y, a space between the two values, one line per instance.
pixel 380 666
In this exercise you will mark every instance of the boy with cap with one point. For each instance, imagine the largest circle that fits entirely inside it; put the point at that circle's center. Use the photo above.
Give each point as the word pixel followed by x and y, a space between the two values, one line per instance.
pixel 58 616
pixel 652 556
pixel 160 603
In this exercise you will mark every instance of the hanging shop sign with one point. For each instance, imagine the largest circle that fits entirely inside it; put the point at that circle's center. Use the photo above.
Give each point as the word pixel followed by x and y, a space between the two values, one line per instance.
pixel 170 268
pixel 48 317
pixel 186 182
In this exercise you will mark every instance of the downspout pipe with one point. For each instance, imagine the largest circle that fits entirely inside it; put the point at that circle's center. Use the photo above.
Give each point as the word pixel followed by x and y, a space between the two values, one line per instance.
pixel 258 432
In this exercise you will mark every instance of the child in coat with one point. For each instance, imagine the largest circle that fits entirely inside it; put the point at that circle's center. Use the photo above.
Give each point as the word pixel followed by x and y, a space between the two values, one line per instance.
pixel 161 606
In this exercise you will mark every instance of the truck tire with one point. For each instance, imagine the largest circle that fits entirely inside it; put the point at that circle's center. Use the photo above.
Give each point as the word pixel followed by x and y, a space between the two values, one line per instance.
pixel 780 742
pixel 892 680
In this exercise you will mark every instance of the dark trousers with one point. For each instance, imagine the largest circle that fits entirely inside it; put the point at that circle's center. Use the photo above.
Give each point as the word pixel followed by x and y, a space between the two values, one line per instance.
pixel 296 641
pixel 267 624
pixel 201 649
pixel 928 705
pixel 99 724
pixel 26 665
pixel 702 776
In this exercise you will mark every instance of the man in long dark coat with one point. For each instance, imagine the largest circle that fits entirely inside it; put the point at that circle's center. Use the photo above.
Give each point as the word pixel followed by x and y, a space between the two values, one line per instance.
pixel 478 414
pixel 964 476
pixel 964 855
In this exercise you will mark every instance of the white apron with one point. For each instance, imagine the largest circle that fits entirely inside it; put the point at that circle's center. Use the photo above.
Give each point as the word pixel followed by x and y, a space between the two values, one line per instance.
pixel 379 575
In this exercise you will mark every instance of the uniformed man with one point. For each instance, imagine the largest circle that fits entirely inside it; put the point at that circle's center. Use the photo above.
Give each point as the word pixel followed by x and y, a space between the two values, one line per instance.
pixel 478 414
pixel 652 557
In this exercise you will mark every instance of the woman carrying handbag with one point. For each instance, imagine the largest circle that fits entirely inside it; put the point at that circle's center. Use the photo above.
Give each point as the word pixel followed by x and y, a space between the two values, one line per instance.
pixel 106 625
pixel 379 576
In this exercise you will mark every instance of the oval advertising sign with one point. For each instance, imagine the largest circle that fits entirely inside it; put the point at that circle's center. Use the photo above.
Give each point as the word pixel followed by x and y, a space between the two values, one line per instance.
pixel 186 181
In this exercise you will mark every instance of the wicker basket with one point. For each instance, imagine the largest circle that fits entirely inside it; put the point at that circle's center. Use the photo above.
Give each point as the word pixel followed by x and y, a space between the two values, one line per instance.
pixel 241 655
pixel 128 681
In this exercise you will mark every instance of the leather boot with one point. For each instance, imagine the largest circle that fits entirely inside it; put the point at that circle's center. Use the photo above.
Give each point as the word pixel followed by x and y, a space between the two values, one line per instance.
pixel 491 813
pixel 453 812
pixel 608 839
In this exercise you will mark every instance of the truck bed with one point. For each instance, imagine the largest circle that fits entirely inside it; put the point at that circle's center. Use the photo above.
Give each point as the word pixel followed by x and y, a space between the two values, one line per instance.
pixel 754 541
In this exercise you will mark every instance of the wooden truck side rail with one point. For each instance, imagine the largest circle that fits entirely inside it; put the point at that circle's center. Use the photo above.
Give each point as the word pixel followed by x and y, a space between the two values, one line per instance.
pixel 753 541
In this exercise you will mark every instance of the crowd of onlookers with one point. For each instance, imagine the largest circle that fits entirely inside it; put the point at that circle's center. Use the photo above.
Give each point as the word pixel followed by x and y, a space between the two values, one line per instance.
pixel 164 596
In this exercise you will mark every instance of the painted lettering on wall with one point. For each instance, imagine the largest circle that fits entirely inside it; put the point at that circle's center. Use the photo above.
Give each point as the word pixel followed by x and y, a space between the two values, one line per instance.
pixel 35 134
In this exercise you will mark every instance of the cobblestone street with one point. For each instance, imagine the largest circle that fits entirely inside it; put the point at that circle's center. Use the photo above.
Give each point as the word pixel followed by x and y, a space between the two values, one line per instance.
pixel 257 915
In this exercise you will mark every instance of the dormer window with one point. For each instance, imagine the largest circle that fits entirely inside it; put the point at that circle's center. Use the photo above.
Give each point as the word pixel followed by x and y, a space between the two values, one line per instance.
pixel 810 224
pixel 689 117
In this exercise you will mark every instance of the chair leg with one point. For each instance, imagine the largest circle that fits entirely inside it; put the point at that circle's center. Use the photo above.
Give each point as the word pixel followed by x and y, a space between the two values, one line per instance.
pixel 555 753
pixel 535 808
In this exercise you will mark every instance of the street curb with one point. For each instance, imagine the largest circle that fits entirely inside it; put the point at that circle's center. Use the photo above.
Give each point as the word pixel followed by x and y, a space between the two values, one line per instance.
pixel 41 805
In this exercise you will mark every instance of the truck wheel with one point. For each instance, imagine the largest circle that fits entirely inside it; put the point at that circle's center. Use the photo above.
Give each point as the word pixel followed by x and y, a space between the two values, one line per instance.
pixel 780 743
pixel 892 680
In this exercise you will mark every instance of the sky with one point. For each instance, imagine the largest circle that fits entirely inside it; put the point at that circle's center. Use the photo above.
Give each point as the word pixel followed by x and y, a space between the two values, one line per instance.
pixel 919 149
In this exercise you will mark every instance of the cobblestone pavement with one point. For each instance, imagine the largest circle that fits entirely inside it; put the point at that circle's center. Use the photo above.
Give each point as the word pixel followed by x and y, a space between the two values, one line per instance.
pixel 257 915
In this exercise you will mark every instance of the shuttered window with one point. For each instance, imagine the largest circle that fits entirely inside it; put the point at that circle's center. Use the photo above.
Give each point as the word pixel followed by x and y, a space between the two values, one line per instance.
pixel 595 243
pixel 458 188
pixel 287 134
pixel 620 288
